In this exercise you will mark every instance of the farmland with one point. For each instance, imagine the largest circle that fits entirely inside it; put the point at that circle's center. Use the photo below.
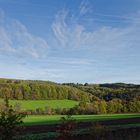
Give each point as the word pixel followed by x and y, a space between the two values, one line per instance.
pixel 111 109
pixel 46 126
pixel 49 119
pixel 33 104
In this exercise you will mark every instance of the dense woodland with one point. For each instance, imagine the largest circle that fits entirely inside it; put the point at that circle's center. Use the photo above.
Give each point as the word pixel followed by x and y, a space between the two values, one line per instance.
pixel 94 98
pixel 36 90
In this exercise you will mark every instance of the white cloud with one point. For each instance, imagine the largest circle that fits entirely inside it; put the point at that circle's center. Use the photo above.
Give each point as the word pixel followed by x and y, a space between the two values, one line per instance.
pixel 72 61
pixel 85 7
pixel 5 41
pixel 60 29
pixel 16 38
pixel 104 39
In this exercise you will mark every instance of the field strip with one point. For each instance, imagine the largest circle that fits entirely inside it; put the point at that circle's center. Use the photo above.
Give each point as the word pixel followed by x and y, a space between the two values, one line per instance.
pixel 52 119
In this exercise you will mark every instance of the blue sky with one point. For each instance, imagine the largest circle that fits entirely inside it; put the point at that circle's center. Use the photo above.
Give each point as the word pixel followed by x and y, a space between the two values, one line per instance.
pixel 95 41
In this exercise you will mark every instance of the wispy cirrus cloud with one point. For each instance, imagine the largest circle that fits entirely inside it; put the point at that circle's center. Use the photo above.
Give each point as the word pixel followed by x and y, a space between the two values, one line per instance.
pixel 85 7
pixel 113 48
pixel 106 39
pixel 60 28
pixel 16 39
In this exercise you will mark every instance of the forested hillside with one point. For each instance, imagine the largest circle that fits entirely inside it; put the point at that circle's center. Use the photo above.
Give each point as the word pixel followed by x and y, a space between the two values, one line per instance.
pixel 36 90
pixel 107 92
pixel 113 98
pixel 93 98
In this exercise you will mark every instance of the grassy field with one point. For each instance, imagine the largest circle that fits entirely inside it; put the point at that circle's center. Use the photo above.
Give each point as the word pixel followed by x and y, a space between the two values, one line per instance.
pixel 31 104
pixel 48 119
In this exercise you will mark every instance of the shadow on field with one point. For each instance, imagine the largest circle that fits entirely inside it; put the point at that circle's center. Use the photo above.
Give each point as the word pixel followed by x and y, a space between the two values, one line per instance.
pixel 69 129
pixel 122 134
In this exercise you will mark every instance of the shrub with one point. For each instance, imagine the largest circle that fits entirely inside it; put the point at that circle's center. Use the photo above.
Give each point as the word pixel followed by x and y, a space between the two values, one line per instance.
pixel 10 121
pixel 66 127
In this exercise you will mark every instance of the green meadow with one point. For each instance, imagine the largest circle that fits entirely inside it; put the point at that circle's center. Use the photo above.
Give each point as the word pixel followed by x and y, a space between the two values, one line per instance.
pixel 51 119
pixel 33 104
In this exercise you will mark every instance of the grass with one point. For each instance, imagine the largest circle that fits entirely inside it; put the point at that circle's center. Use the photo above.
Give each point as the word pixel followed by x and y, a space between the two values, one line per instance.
pixel 33 104
pixel 51 119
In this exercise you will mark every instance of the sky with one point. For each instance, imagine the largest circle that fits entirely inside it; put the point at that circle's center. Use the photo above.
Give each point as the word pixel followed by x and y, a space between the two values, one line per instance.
pixel 94 41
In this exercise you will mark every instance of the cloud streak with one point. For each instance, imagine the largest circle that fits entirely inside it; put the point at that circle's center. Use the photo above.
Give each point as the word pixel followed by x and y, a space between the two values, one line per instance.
pixel 85 7
pixel 16 39
pixel 105 39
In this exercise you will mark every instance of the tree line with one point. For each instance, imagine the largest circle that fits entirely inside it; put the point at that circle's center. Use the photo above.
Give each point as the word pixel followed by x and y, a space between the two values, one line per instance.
pixel 40 90
pixel 107 92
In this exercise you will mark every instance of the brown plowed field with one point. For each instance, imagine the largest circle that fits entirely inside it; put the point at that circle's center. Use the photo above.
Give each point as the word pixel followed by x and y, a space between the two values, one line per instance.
pixel 53 127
